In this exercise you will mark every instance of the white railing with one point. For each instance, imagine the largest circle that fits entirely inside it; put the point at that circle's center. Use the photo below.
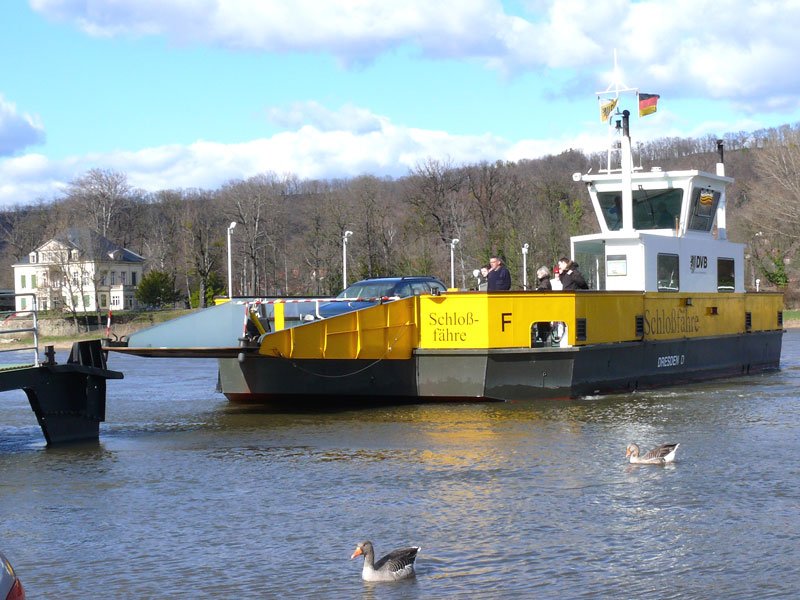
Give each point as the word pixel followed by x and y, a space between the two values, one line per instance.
pixel 7 319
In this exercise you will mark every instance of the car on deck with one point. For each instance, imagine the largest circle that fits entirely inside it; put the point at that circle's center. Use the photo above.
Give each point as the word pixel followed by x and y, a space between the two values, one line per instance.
pixel 380 289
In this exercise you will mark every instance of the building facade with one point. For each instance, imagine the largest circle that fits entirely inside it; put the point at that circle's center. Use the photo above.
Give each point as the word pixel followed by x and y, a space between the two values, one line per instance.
pixel 78 270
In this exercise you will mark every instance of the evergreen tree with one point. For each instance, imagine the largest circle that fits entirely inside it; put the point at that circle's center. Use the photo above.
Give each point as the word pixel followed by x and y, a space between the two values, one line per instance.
pixel 157 289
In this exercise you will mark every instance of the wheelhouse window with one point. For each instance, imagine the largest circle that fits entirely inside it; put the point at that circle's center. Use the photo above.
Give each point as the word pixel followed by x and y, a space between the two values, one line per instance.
pixel 668 272
pixel 726 279
pixel 652 209
pixel 617 265
pixel 703 208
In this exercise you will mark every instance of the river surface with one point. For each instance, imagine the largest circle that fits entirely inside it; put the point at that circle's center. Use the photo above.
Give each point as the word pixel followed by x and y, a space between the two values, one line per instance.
pixel 186 496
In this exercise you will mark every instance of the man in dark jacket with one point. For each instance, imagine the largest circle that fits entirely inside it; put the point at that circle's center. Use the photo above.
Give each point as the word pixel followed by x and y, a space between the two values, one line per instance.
pixel 570 277
pixel 498 278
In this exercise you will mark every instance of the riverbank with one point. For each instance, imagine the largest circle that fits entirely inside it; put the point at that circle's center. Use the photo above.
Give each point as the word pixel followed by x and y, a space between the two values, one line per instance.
pixel 52 331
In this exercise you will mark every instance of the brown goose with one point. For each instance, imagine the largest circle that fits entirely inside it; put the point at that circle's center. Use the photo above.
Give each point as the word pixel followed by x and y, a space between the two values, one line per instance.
pixel 661 455
pixel 397 565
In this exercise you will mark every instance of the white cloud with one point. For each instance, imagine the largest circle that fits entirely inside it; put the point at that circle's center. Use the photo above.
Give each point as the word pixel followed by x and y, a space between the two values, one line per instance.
pixel 309 152
pixel 729 49
pixel 324 144
pixel 17 131
pixel 348 118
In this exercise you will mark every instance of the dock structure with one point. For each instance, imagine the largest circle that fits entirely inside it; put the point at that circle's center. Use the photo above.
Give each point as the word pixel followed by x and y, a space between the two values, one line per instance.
pixel 69 399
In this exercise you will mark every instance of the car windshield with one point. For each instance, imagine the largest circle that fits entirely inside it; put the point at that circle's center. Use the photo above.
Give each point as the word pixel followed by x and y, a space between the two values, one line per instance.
pixel 368 290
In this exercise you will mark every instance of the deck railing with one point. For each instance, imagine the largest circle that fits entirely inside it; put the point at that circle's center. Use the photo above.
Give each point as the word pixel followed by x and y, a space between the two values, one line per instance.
pixel 9 317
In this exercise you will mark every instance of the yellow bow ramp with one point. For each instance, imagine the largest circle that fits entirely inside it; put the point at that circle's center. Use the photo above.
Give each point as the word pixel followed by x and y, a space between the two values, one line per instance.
pixel 386 331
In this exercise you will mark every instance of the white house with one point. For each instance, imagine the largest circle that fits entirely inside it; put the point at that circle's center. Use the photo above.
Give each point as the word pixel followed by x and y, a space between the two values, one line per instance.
pixel 78 269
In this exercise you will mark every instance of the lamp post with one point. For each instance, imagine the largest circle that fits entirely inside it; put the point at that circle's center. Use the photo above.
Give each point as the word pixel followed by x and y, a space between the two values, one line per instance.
pixel 231 227
pixel 346 235
pixel 452 262
pixel 525 266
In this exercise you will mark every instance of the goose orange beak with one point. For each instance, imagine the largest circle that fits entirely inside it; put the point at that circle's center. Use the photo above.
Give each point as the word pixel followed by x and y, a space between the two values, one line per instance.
pixel 356 553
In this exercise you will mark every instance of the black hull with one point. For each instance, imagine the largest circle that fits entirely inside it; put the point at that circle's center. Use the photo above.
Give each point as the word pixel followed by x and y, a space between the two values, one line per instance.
pixel 508 374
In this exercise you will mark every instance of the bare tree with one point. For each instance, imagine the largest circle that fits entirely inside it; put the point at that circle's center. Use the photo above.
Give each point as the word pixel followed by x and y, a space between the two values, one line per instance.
pixel 205 239
pixel 258 205
pixel 101 195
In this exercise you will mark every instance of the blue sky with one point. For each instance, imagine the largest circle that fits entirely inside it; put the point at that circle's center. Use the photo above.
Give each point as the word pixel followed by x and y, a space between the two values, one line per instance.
pixel 194 93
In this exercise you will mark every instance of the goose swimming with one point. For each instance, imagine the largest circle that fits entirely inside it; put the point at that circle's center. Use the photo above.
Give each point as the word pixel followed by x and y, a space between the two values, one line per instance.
pixel 661 455
pixel 397 565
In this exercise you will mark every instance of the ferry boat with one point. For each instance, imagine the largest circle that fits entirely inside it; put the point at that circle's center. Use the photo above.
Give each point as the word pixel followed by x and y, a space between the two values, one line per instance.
pixel 667 304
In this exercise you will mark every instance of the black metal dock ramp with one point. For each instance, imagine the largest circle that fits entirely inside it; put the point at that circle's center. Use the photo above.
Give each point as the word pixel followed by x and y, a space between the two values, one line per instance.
pixel 69 399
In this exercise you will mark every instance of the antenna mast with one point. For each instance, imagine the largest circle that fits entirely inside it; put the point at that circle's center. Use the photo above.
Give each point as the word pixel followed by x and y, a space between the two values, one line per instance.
pixel 609 111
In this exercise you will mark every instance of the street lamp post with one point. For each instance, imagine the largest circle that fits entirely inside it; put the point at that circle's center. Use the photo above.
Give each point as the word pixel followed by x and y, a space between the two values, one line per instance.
pixel 525 266
pixel 452 262
pixel 231 227
pixel 346 235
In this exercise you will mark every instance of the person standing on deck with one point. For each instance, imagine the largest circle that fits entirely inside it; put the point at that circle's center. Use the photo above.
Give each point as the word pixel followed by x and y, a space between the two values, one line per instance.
pixel 543 277
pixel 571 278
pixel 483 278
pixel 498 278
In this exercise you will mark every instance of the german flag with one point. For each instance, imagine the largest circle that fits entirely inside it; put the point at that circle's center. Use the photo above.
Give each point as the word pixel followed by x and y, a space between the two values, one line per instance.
pixel 647 104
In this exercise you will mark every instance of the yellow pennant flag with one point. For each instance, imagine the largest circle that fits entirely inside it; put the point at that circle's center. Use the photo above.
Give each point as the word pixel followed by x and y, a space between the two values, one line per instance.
pixel 606 109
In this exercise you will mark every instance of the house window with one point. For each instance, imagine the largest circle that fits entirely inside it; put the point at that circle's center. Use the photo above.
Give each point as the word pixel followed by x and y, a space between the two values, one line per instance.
pixel 726 278
pixel 668 273
pixel 87 301
pixel 103 301
pixel 103 277
pixel 23 302
pixel 133 278
pixel 33 281
pixel 113 278
pixel 122 277
pixel 22 281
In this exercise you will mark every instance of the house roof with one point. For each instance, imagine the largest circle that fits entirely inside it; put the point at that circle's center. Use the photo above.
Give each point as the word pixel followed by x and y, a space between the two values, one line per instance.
pixel 91 244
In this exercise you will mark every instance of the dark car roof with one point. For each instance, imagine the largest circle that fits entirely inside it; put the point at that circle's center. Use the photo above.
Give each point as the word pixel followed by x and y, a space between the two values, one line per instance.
pixel 405 277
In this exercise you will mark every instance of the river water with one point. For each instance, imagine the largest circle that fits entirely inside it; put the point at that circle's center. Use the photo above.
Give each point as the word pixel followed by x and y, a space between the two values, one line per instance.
pixel 186 496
